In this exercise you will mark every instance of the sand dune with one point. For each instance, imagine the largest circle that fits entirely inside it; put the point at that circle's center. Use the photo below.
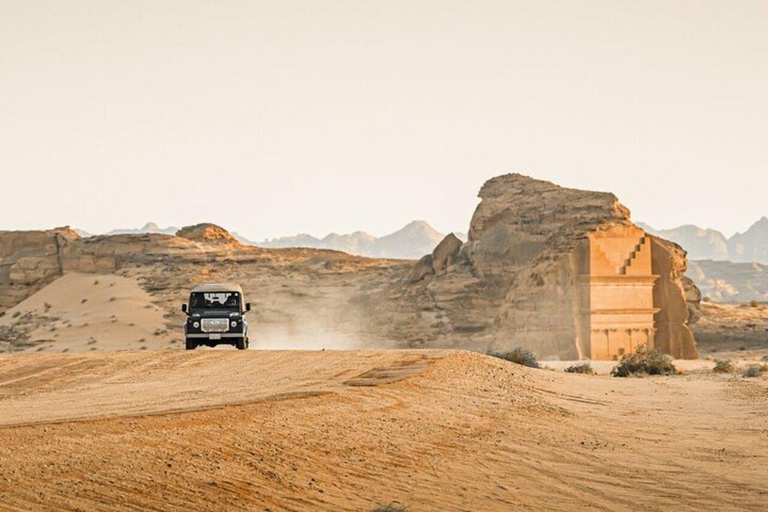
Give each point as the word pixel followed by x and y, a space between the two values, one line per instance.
pixel 81 312
pixel 347 430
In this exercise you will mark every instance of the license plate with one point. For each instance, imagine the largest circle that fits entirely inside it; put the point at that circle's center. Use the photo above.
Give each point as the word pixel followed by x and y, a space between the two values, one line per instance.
pixel 214 337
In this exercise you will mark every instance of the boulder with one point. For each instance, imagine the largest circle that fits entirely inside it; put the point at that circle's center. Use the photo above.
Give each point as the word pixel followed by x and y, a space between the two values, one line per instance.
pixel 445 253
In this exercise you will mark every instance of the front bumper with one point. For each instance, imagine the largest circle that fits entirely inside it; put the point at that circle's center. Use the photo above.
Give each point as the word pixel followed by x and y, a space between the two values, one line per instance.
pixel 216 336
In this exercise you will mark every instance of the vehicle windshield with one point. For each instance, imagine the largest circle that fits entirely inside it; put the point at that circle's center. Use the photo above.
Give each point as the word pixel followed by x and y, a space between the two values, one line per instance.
pixel 215 300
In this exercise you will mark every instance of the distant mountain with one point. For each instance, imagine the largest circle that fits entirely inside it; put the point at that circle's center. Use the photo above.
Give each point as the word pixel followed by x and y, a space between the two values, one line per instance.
pixel 709 244
pixel 83 234
pixel 412 242
pixel 726 281
pixel 752 245
pixel 284 242
pixel 726 270
pixel 701 244
pixel 240 238
pixel 149 227
pixel 358 242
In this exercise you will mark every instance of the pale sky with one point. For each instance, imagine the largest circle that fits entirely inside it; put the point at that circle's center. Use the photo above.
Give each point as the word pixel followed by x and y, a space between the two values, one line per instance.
pixel 273 118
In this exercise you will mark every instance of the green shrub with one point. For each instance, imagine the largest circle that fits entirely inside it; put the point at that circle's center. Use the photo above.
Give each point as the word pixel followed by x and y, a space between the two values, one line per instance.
pixel 752 372
pixel 580 368
pixel 518 355
pixel 724 366
pixel 644 361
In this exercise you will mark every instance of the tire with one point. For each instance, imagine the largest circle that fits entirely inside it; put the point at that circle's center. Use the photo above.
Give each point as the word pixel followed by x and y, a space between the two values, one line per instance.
pixel 190 345
pixel 241 344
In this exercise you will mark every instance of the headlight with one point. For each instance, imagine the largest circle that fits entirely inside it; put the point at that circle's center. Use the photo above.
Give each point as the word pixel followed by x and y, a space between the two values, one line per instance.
pixel 234 323
pixel 196 325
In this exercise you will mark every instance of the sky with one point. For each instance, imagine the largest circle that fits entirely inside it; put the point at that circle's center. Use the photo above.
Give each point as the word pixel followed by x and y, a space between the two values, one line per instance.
pixel 276 117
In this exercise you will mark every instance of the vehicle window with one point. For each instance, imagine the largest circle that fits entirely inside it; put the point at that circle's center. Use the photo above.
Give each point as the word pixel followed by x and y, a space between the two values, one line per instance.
pixel 215 300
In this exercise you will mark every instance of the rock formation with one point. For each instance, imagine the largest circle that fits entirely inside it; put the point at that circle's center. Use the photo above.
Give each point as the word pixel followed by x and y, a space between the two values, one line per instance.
pixel 29 260
pixel 560 271
pixel 207 233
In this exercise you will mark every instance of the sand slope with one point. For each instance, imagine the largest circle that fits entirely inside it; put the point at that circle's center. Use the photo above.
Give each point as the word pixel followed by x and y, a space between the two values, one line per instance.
pixel 435 430
pixel 82 312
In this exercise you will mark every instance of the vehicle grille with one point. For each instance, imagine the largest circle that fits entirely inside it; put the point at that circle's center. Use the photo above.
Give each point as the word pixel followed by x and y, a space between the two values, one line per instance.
pixel 214 324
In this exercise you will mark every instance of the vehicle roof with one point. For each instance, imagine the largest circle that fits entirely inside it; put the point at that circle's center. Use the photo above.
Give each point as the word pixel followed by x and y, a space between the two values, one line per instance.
pixel 218 287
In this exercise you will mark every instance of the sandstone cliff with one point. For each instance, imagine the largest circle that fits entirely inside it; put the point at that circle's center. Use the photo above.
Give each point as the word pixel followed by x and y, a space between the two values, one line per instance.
pixel 553 269
pixel 29 260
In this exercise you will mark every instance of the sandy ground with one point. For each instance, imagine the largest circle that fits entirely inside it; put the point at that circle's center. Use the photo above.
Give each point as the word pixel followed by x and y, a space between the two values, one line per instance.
pixel 348 430
pixel 87 312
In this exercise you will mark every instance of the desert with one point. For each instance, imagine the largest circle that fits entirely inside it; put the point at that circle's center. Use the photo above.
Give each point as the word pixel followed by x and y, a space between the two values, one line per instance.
pixel 428 429
pixel 366 256
pixel 373 382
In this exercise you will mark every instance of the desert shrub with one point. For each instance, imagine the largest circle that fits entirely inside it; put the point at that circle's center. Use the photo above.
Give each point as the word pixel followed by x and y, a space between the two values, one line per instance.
pixel 645 361
pixel 753 371
pixel 518 355
pixel 753 303
pixel 724 366
pixel 580 368
pixel 391 507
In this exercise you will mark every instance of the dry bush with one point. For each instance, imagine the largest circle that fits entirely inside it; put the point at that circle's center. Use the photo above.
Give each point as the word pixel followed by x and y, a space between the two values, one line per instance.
pixel 391 507
pixel 724 366
pixel 644 361
pixel 580 368
pixel 518 355
pixel 753 371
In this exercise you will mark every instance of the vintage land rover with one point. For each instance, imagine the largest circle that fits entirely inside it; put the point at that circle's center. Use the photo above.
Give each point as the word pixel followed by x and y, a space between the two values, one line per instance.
pixel 216 316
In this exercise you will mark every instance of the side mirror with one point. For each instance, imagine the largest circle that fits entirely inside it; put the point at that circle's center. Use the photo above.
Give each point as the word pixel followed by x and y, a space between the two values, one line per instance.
pixel 247 306
pixel 184 308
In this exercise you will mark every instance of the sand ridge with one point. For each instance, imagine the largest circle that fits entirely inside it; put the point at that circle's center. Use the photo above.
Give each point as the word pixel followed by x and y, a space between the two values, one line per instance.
pixel 285 431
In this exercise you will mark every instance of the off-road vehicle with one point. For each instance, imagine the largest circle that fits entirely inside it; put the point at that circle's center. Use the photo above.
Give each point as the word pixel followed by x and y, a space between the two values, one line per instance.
pixel 216 316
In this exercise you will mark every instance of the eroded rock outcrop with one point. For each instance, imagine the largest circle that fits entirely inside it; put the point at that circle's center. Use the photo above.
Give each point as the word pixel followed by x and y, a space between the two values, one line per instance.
pixel 560 271
pixel 29 260
pixel 207 233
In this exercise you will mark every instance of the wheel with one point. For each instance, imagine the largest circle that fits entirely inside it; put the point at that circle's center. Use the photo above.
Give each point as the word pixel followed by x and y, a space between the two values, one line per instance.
pixel 190 345
pixel 241 344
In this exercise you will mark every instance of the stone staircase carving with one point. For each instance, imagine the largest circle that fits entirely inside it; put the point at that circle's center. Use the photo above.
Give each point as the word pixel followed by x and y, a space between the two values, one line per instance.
pixel 622 270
